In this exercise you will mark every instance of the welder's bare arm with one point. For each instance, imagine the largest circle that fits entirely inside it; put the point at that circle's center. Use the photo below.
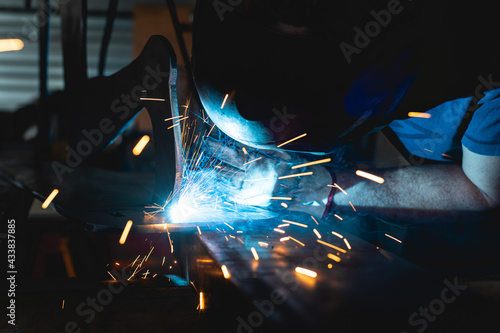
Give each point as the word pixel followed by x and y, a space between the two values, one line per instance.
pixel 430 192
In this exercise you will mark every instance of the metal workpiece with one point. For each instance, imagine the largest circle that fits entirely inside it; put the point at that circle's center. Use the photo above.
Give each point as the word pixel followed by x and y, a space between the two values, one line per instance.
pixel 297 280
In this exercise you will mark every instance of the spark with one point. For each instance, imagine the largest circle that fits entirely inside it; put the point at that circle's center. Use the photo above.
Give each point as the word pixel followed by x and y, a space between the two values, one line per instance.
pixel 227 239
pixel 172 118
pixel 228 225
pixel 337 234
pixel 297 241
pixel 332 246
pixel 136 260
pixel 117 263
pixel 163 261
pixel 330 266
pixel 314 220
pixel 111 275
pixel 305 271
pixel 169 240
pixel 337 216
pixel 12 44
pixel 337 186
pixel 280 198
pixel 279 230
pixel 199 231
pixel 350 203
pixel 430 151
pixel 232 236
pixel 224 101
pixel 284 239
pixel 446 156
pixel 291 140
pixel 239 231
pixel 297 175
pixel 225 272
pixel 155 275
pixel 370 176
pixel 263 244
pixel 49 199
pixel 140 145
pixel 397 240
pixel 199 158
pixel 152 99
pixel 174 125
pixel 326 160
pixel 211 130
pixel 202 303
pixel 347 244
pixel 62 306
pixel 284 205
pixel 317 233
pixel 125 232
pixel 333 257
pixel 254 160
pixel 283 225
pixel 244 150
pixel 419 115
pixel 254 252
pixel 295 223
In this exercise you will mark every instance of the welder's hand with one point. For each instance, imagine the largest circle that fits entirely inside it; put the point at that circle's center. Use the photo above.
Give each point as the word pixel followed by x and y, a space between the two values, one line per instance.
pixel 259 178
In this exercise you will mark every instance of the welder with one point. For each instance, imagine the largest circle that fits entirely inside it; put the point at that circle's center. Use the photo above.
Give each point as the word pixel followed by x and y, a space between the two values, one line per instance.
pixel 337 71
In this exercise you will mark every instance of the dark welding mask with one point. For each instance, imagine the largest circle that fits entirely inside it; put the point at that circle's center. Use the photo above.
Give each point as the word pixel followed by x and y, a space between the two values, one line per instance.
pixel 267 74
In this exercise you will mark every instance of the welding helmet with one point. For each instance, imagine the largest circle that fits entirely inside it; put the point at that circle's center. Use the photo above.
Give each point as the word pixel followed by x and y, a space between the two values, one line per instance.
pixel 269 71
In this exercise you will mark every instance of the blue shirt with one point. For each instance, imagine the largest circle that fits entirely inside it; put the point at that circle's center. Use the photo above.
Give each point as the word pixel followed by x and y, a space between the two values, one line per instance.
pixel 438 135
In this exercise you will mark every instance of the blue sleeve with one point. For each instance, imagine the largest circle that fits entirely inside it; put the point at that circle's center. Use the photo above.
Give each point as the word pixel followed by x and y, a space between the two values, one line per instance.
pixel 483 134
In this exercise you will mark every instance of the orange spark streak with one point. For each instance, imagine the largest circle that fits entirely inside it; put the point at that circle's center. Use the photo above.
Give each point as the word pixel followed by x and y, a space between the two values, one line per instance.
pixel 252 161
pixel 333 257
pixel 332 246
pixel 314 220
pixel 295 223
pixel 317 233
pixel 347 243
pixel 283 239
pixel 291 140
pixel 397 240
pixel 225 272
pixel 337 234
pixel 279 230
pixel 254 252
pixel 152 99
pixel 263 244
pixel 350 203
pixel 224 102
pixel 140 145
pixel 340 188
pixel 244 150
pixel 369 176
pixel 338 217
pixel 125 232
pixel 419 114
pixel 296 175
pixel 305 271
pixel 326 160
pixel 280 198
pixel 297 241
pixel 51 197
